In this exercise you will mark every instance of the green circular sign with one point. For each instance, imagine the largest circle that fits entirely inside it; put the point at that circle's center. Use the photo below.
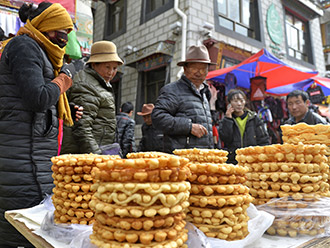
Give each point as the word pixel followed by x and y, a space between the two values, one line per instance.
pixel 274 25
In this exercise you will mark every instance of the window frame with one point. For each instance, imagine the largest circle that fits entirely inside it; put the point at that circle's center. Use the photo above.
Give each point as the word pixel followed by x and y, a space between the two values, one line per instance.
pixel 259 41
pixel 152 14
pixel 108 34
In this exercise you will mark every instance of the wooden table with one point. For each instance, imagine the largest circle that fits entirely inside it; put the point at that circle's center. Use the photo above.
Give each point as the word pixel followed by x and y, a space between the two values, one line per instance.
pixel 34 239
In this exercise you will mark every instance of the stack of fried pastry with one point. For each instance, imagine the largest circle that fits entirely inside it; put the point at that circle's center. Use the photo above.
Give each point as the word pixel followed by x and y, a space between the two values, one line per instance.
pixel 141 201
pixel 218 200
pixel 296 174
pixel 72 191
pixel 307 134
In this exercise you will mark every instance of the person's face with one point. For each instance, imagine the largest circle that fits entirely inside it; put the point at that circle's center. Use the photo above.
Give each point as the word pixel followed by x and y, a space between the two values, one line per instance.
pixel 297 107
pixel 196 72
pixel 238 103
pixel 107 70
pixel 147 119
pixel 58 37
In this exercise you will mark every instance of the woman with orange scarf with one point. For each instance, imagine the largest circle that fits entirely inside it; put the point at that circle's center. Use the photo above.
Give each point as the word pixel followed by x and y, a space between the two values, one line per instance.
pixel 32 98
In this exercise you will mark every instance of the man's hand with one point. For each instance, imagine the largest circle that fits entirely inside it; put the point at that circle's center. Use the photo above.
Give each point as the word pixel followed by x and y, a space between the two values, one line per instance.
pixel 79 112
pixel 198 130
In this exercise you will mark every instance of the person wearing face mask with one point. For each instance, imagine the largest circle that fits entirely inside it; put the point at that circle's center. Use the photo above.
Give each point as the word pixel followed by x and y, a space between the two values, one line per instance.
pixel 92 90
pixel 241 127
pixel 33 84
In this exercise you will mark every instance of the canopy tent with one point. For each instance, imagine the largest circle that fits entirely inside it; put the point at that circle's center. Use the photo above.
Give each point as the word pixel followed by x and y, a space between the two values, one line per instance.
pixel 324 83
pixel 262 64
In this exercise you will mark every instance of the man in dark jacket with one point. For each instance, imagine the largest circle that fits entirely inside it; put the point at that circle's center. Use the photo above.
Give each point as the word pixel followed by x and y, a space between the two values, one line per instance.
pixel 152 138
pixel 182 110
pixel 125 129
pixel 298 103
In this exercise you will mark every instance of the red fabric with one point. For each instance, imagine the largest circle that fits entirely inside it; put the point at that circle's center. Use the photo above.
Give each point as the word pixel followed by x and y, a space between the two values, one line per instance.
pixel 258 88
pixel 60 136
pixel 215 132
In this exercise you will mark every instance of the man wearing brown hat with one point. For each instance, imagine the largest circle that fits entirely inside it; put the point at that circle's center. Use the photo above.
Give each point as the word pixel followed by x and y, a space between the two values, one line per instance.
pixel 182 110
pixel 152 138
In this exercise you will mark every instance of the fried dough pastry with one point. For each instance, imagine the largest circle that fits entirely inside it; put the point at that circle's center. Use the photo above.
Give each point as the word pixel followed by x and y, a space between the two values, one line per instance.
pixel 135 211
pixel 100 242
pixel 77 196
pixel 152 189
pixel 208 190
pixel 76 178
pixel 288 177
pixel 217 213
pixel 142 223
pixel 287 231
pixel 67 203
pixel 203 155
pixel 230 220
pixel 217 168
pixel 143 237
pixel 215 179
pixel 59 217
pixel 80 159
pixel 288 130
pixel 142 175
pixel 219 201
pixel 287 187
pixel 226 232
pixel 74 187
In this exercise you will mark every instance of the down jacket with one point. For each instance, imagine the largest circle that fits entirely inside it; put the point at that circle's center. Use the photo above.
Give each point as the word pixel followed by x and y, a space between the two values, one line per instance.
pixel 97 126
pixel 255 134
pixel 125 133
pixel 152 139
pixel 178 106
pixel 28 130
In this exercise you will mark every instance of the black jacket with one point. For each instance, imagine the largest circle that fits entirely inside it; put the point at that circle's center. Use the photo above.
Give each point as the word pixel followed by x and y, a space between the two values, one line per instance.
pixel 178 106
pixel 125 133
pixel 152 139
pixel 311 118
pixel 255 134
pixel 28 130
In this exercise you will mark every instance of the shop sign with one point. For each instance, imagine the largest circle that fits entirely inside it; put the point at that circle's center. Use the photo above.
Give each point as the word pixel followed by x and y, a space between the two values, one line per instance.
pixel 274 25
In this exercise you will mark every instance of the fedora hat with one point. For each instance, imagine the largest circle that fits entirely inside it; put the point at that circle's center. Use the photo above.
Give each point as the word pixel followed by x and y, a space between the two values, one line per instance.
pixel 197 54
pixel 104 51
pixel 146 109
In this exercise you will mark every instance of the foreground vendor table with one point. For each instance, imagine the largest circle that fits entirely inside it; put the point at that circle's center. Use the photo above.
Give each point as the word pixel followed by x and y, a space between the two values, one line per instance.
pixel 34 239
pixel 40 242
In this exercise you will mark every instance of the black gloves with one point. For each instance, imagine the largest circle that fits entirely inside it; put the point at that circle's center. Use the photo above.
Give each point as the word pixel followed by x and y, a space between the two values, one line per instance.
pixel 68 69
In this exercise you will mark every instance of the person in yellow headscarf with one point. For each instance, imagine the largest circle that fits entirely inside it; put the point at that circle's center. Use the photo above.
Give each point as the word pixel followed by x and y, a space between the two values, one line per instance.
pixel 33 83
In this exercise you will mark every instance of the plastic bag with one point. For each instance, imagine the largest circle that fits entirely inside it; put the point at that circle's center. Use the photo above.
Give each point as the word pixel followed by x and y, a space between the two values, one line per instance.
pixel 294 217
pixel 112 149
pixel 196 238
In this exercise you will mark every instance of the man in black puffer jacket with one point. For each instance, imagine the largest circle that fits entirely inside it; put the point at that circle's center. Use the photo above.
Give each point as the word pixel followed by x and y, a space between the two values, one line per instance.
pixel 182 110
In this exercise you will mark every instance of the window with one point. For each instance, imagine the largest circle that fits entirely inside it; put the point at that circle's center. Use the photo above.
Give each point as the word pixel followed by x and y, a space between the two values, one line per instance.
pixel 153 8
pixel 115 19
pixel 327 34
pixel 240 16
pixel 297 34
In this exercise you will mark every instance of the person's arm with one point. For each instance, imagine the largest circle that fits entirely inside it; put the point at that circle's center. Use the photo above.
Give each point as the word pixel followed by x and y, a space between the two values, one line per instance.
pixel 26 63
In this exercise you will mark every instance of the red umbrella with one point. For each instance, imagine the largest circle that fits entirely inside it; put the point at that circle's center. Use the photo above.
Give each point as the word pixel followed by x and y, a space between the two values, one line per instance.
pixel 262 64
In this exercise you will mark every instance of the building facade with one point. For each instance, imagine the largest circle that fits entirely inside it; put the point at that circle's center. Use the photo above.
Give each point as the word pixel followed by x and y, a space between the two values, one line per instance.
pixel 152 36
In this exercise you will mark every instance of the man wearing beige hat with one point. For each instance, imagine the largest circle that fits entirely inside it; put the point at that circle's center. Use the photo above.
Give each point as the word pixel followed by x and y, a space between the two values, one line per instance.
pixel 182 110
pixel 152 138
pixel 91 89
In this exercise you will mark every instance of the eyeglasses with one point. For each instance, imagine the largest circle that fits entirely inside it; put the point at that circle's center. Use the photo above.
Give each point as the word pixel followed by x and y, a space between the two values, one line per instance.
pixel 200 70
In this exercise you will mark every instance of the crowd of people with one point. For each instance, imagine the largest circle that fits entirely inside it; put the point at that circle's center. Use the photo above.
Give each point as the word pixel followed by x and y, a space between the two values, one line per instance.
pixel 47 108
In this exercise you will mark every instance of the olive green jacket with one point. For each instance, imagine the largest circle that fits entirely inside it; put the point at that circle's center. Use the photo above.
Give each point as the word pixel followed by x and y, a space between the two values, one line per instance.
pixel 98 124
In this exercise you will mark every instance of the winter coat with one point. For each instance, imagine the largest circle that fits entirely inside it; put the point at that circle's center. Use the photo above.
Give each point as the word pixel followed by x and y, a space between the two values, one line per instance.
pixel 311 118
pixel 178 106
pixel 152 139
pixel 255 134
pixel 97 126
pixel 125 133
pixel 28 130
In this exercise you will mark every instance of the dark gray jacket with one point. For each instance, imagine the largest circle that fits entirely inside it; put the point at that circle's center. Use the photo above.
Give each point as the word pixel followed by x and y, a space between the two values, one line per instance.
pixel 125 133
pixel 255 134
pixel 97 126
pixel 311 118
pixel 28 130
pixel 178 106
pixel 152 139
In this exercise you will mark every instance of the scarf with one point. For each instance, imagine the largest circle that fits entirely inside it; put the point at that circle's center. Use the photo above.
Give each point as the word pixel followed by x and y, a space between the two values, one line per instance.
pixel 55 17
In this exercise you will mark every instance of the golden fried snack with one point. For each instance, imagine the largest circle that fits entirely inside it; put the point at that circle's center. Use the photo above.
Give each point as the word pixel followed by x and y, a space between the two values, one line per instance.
pixel 74 187
pixel 75 212
pixel 77 196
pixel 217 168
pixel 152 189
pixel 208 190
pixel 67 203
pixel 220 201
pixel 59 217
pixel 143 223
pixel 76 178
pixel 99 241
pixel 135 211
pixel 203 155
pixel 288 167
pixel 287 231
pixel 260 193
pixel 217 213
pixel 80 159
pixel 143 237
pixel 148 155
pixel 215 179
pixel 289 130
pixel 142 175
pixel 287 187
pixel 226 232
pixel 230 220
pixel 145 200
pixel 71 170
